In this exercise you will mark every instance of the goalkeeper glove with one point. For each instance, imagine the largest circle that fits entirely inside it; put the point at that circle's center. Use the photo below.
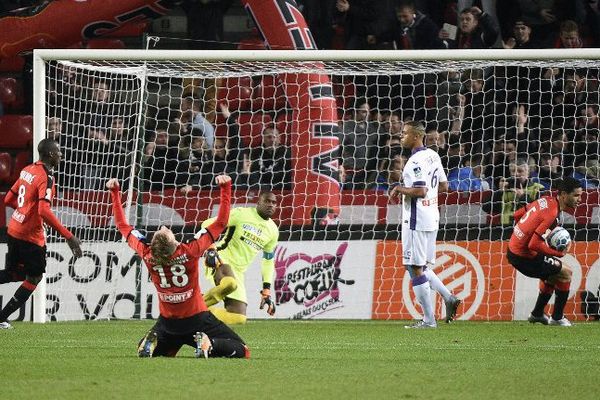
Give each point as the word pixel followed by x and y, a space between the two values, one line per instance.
pixel 265 300
pixel 212 259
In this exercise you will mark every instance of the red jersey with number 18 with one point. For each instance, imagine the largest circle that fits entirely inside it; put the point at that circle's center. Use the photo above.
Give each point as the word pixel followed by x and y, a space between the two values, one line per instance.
pixel 176 279
pixel 537 217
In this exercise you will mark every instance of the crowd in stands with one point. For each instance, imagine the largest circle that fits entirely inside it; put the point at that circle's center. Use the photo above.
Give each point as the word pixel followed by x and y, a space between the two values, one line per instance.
pixel 463 24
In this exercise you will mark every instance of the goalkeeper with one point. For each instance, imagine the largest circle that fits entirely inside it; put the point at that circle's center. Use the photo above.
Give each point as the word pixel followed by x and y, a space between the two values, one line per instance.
pixel 249 230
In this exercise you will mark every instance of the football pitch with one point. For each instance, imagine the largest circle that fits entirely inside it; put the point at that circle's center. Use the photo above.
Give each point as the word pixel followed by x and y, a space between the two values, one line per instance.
pixel 307 360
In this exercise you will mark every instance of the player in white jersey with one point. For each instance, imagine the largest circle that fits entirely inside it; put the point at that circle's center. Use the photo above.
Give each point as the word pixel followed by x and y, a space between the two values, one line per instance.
pixel 422 176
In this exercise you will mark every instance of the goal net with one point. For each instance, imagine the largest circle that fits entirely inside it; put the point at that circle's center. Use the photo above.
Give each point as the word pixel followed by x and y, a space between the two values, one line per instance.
pixel 322 131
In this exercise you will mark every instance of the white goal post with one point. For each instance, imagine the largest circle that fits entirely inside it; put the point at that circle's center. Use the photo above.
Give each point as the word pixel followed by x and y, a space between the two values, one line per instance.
pixel 317 91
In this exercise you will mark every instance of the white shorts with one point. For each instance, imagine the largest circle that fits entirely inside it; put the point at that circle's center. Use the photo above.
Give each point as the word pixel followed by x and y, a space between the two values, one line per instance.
pixel 418 247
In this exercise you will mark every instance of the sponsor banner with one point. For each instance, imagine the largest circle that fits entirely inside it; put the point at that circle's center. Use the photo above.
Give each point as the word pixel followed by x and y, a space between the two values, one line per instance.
pixel 478 273
pixel 314 280
pixel 474 271
pixel 327 279
pixel 108 282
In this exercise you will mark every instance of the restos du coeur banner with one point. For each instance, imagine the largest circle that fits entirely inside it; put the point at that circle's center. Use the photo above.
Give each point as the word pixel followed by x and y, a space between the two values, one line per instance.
pixel 313 280
pixel 327 279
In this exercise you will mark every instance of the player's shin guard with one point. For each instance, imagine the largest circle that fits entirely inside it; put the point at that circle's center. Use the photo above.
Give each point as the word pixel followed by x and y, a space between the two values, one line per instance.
pixel 228 317
pixel 21 295
pixel 423 294
pixel 215 295
pixel 562 294
pixel 546 290
pixel 229 348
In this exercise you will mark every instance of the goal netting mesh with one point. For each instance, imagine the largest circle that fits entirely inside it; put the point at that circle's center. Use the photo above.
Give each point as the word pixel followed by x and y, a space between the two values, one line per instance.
pixel 324 137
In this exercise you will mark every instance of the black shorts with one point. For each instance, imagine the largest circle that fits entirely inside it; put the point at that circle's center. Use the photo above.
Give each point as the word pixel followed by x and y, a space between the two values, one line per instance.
pixel 541 266
pixel 174 333
pixel 25 258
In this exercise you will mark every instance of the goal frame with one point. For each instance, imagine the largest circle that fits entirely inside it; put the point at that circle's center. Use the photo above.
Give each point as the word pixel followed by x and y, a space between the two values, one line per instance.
pixel 40 56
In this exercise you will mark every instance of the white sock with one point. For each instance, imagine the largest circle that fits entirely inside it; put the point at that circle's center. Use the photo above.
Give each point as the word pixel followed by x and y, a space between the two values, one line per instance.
pixel 437 284
pixel 423 294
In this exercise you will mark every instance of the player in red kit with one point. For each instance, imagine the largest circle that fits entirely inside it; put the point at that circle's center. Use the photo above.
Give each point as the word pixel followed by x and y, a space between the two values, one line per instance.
pixel 31 197
pixel 530 255
pixel 173 267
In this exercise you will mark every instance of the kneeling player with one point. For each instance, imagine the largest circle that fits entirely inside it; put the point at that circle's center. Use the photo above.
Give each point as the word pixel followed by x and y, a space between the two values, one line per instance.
pixel 173 267
pixel 530 255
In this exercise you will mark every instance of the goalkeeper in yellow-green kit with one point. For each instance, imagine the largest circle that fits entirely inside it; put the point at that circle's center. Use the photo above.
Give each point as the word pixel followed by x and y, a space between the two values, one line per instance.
pixel 249 230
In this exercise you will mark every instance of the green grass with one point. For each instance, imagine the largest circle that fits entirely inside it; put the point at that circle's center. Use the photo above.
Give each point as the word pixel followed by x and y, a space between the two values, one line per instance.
pixel 308 360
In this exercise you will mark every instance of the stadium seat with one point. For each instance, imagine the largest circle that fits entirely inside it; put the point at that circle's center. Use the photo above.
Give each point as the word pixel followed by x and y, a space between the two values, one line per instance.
pixel 11 95
pixel 5 168
pixel 16 131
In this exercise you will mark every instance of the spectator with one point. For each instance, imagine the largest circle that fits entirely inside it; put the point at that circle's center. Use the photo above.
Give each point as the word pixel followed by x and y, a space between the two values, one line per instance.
pixel 387 178
pixel 358 140
pixel 477 123
pixel 436 141
pixel 503 154
pixel 542 17
pixel 358 18
pixel 477 30
pixel 568 37
pixel 166 164
pixel 549 170
pixel 515 192
pixel 195 122
pixel 456 153
pixel 270 164
pixel 586 151
pixel 414 30
pixel 521 37
pixel 221 162
pixel 468 178
pixel 54 129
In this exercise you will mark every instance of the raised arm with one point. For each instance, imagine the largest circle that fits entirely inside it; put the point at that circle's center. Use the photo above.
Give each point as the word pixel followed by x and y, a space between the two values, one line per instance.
pixel 217 225
pixel 120 220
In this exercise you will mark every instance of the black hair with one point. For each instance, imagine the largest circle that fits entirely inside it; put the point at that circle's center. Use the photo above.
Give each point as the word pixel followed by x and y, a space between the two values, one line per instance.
pixel 567 184
pixel 45 147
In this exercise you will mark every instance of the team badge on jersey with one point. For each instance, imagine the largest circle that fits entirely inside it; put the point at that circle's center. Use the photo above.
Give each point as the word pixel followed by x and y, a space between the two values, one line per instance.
pixel 417 171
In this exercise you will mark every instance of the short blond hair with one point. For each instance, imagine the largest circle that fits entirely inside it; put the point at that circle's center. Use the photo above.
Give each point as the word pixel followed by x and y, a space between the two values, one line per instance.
pixel 416 127
pixel 161 246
